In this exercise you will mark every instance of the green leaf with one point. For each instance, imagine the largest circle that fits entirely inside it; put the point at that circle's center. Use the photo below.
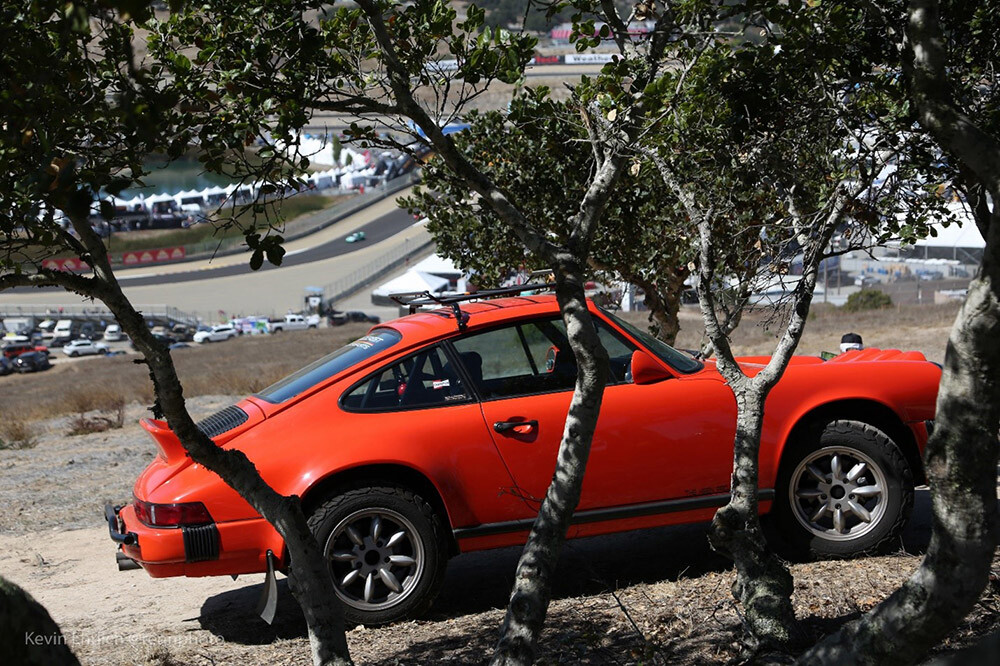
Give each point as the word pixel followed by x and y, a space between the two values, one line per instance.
pixel 256 259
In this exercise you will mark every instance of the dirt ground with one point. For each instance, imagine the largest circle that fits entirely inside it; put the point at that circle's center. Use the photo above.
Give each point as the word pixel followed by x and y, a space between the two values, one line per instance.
pixel 654 597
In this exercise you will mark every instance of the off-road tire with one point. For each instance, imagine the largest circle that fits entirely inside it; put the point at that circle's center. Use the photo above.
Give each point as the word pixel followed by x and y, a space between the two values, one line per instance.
pixel 418 594
pixel 891 469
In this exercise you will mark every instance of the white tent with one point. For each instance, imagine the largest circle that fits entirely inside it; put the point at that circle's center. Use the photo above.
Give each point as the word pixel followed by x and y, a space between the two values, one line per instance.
pixel 959 241
pixel 965 235
pixel 409 282
pixel 158 198
pixel 189 197
pixel 135 201
pixel 439 266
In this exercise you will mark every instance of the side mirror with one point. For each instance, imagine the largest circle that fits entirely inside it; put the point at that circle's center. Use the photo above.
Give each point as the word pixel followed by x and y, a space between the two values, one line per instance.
pixel 645 370
pixel 550 359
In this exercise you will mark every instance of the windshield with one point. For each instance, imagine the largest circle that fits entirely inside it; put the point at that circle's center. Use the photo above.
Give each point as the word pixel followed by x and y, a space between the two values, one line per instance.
pixel 361 349
pixel 677 360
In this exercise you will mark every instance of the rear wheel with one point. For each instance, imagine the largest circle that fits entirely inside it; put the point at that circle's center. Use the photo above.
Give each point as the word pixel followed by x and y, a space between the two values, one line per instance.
pixel 386 551
pixel 844 491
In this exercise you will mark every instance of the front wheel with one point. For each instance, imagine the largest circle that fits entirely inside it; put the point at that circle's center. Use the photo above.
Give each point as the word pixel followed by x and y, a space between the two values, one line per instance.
pixel 386 551
pixel 845 491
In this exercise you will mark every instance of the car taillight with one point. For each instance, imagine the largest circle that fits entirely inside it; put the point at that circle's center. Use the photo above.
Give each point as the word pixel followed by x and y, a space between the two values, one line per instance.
pixel 172 515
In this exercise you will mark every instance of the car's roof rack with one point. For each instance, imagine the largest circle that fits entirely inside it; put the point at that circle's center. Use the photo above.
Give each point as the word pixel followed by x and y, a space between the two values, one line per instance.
pixel 413 300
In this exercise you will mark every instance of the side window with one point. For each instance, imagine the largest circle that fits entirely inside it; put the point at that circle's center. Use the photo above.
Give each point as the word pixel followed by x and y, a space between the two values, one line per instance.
pixel 425 379
pixel 619 354
pixel 532 357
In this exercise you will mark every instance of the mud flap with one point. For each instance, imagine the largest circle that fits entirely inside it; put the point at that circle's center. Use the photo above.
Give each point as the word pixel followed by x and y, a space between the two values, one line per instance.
pixel 269 595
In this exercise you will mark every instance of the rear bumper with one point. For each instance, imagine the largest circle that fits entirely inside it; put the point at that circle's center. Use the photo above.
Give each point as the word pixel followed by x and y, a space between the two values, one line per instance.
pixel 217 549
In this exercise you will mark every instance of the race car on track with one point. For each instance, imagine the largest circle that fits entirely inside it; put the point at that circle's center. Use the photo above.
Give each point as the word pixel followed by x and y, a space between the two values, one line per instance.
pixel 436 433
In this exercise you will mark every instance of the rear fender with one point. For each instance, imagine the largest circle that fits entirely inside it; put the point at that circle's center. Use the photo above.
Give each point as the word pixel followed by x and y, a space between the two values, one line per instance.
pixel 870 410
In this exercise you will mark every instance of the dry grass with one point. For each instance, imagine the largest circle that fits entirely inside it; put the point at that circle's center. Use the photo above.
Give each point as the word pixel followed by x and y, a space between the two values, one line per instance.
pixel 109 404
pixel 16 433
pixel 94 389
pixel 911 327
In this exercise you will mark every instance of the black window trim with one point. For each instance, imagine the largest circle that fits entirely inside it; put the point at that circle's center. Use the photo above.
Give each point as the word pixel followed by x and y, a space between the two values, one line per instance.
pixel 607 325
pixel 470 396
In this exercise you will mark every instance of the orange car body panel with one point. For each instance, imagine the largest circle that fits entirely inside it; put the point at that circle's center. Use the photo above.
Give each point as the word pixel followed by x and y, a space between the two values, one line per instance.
pixel 669 441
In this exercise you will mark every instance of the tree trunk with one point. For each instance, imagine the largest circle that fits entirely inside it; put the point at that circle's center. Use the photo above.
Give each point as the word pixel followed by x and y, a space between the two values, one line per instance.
pixel 663 298
pixel 961 455
pixel 961 464
pixel 314 589
pixel 309 571
pixel 763 584
pixel 532 591
pixel 28 634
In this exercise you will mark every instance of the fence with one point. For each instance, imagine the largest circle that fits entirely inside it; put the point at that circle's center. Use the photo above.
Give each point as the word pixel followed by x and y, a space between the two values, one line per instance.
pixel 163 313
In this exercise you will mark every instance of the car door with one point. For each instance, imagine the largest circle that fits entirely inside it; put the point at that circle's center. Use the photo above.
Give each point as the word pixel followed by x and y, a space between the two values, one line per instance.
pixel 420 409
pixel 657 442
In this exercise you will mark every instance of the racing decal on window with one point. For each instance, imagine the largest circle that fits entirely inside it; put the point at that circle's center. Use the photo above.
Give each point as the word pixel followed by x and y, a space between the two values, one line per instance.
pixel 441 383
pixel 365 342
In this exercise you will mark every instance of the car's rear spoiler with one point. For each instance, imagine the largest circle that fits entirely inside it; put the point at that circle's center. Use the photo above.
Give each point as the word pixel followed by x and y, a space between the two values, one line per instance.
pixel 166 441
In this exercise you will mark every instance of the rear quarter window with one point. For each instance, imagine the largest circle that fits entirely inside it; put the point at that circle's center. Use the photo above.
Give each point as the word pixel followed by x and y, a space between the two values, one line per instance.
pixel 318 371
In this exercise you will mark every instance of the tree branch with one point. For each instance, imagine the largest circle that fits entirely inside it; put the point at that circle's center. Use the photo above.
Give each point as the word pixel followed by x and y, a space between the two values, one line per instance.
pixel 929 87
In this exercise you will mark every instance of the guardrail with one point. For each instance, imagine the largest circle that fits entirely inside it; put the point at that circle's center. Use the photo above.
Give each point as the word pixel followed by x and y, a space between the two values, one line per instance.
pixel 94 311
pixel 365 275
pixel 310 223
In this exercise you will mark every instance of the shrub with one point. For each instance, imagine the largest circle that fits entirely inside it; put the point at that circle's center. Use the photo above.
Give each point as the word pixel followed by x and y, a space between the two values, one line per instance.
pixel 867 299
pixel 15 433
pixel 108 402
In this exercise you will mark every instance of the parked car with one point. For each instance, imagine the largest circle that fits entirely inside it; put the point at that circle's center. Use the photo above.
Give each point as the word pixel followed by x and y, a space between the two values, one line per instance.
pixel 113 333
pixel 338 318
pixel 357 236
pixel 15 349
pixel 84 347
pixel 6 366
pixel 32 362
pixel 865 281
pixel 164 340
pixel 182 333
pixel 216 333
pixel 432 435
pixel 293 322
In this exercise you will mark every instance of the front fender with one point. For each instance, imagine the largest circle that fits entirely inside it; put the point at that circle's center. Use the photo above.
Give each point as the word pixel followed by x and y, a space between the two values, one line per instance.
pixel 908 389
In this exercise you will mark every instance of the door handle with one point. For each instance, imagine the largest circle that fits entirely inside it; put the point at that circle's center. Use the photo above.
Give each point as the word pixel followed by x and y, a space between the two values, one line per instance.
pixel 519 427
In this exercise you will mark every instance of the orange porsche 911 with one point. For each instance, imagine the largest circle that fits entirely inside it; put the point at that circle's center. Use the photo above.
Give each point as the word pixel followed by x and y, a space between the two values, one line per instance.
pixel 436 434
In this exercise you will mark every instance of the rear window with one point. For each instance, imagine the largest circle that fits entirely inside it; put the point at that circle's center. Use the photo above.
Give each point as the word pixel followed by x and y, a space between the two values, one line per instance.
pixel 360 350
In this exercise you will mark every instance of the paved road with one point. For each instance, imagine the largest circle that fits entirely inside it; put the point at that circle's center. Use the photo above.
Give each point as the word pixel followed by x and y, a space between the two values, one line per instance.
pixel 377 230
pixel 205 287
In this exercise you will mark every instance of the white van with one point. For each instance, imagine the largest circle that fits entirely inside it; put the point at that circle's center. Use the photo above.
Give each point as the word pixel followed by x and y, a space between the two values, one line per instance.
pixel 113 333
pixel 63 329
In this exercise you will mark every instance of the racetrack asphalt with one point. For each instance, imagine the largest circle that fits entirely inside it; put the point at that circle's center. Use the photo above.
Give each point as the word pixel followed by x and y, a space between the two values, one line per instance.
pixel 379 229
pixel 206 287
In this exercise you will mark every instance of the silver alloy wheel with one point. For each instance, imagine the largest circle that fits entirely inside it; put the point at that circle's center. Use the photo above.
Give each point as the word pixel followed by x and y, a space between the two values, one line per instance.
pixel 838 493
pixel 377 558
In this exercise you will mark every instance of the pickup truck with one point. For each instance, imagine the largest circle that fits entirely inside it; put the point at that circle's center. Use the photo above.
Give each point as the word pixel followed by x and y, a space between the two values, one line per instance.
pixel 293 322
